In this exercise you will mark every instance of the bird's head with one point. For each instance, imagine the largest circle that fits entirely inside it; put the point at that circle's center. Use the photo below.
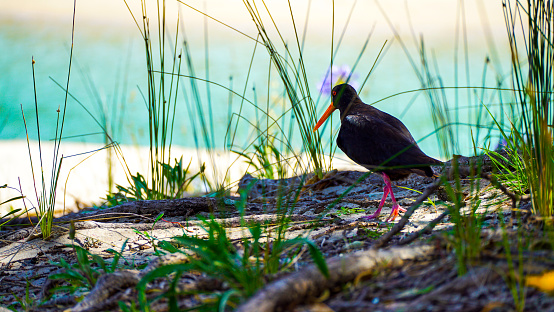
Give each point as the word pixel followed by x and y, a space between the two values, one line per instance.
pixel 342 96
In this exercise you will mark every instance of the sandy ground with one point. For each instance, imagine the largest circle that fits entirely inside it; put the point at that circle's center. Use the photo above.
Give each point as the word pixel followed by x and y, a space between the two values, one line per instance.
pixel 84 172
pixel 337 232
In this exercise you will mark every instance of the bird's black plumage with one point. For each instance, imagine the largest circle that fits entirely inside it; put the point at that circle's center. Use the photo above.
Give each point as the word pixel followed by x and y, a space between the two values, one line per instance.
pixel 377 140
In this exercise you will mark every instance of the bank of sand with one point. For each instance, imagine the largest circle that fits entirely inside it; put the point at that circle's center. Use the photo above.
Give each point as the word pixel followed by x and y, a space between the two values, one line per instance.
pixel 84 172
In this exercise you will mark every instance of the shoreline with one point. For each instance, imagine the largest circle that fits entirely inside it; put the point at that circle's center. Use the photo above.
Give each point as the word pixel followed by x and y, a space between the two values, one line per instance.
pixel 83 178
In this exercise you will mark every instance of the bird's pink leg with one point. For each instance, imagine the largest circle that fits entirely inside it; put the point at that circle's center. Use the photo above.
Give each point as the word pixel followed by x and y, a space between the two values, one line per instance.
pixel 386 190
pixel 395 206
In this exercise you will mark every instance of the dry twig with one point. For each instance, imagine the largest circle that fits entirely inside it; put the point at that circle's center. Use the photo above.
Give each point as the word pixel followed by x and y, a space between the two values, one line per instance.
pixel 426 230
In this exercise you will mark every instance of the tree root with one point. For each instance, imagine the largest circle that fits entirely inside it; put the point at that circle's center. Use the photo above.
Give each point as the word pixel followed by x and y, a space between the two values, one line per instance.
pixel 102 295
pixel 118 286
pixel 110 287
pixel 310 282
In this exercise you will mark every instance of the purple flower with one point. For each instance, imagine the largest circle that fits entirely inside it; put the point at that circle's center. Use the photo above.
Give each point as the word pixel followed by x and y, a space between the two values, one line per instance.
pixel 342 74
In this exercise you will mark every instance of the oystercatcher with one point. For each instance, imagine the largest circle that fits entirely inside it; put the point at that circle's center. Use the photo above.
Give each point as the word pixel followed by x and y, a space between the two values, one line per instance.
pixel 377 141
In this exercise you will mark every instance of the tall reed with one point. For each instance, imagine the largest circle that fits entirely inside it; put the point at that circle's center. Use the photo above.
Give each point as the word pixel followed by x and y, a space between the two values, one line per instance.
pixel 293 75
pixel 530 29
pixel 161 94
pixel 46 195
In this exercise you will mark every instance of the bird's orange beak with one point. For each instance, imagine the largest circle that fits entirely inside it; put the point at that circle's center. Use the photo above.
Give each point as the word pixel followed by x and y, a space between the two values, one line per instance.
pixel 326 115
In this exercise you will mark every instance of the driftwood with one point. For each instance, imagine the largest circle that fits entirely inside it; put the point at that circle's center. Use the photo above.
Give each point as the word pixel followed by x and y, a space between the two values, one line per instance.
pixel 151 208
pixel 146 208
pixel 226 222
pixel 310 283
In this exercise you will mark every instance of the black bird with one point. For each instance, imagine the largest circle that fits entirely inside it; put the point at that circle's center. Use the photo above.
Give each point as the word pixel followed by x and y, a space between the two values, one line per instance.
pixel 377 141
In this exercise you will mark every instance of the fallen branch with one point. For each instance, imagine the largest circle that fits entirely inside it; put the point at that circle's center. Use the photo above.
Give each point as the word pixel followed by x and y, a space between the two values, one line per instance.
pixel 310 283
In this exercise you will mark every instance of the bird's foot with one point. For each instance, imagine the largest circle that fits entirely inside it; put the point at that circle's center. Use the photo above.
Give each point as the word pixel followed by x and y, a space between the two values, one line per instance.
pixel 373 216
pixel 394 212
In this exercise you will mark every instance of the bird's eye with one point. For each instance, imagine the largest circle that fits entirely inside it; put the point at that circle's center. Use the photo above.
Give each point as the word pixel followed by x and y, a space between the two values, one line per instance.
pixel 334 93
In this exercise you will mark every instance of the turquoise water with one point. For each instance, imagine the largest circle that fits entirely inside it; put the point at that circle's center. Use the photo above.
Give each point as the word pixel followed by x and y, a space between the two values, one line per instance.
pixel 109 71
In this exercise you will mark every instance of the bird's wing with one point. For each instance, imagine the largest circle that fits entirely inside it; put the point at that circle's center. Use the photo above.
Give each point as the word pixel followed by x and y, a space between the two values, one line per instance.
pixel 371 139
pixel 392 122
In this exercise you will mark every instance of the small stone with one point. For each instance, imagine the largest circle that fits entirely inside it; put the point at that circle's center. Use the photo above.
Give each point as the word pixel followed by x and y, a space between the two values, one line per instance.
pixel 354 245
